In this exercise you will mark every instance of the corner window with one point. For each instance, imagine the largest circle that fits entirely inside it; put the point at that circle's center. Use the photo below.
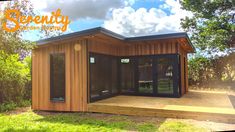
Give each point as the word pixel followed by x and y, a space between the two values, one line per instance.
pixel 103 76
pixel 57 77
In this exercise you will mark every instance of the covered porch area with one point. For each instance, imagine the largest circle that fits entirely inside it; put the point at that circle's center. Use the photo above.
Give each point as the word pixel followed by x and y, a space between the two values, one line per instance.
pixel 194 105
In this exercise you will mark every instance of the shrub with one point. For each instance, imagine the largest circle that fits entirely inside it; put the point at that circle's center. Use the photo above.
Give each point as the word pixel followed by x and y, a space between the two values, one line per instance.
pixel 199 69
pixel 14 76
pixel 204 70
pixel 7 106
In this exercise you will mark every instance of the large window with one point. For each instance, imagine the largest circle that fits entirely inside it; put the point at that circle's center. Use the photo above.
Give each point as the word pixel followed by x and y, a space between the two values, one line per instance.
pixel 103 76
pixel 57 74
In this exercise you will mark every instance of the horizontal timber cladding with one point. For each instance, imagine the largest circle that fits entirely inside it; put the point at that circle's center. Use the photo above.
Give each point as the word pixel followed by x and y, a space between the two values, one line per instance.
pixel 134 48
pixel 75 77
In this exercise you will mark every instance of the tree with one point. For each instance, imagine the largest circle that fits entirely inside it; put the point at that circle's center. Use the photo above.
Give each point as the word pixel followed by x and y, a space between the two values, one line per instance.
pixel 15 59
pixel 11 42
pixel 212 25
pixel 15 77
pixel 199 68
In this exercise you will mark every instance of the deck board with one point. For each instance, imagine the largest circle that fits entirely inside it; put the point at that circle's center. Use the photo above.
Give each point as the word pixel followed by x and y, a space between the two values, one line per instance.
pixel 194 105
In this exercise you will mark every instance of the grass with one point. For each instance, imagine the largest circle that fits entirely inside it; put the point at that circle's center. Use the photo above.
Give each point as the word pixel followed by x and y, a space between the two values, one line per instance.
pixel 84 122
pixel 173 126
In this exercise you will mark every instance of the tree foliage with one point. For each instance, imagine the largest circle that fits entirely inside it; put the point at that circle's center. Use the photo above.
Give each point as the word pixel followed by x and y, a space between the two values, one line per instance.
pixel 15 62
pixel 12 42
pixel 13 78
pixel 212 24
pixel 199 68
pixel 204 70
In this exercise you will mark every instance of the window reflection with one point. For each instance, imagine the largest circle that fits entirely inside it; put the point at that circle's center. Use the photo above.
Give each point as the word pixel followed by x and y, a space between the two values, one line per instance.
pixel 57 69
pixel 145 75
pixel 127 71
pixel 165 76
pixel 103 72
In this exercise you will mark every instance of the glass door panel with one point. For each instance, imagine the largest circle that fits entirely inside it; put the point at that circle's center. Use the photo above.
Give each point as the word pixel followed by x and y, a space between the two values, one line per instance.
pixel 165 76
pixel 103 76
pixel 127 75
pixel 145 76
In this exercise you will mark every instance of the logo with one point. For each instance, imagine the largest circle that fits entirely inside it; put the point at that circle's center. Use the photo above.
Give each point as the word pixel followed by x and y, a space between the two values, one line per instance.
pixel 46 22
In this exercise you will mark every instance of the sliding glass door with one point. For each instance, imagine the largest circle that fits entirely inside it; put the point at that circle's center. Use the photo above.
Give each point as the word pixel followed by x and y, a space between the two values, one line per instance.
pixel 167 75
pixel 156 75
pixel 153 75
pixel 128 75
pixel 145 76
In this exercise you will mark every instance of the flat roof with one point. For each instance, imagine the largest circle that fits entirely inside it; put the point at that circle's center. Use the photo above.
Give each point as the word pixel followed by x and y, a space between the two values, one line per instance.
pixel 107 32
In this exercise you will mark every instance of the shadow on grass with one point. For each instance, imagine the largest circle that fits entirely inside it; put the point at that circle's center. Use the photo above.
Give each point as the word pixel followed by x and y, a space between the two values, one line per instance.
pixel 102 121
pixel 109 122
pixel 84 122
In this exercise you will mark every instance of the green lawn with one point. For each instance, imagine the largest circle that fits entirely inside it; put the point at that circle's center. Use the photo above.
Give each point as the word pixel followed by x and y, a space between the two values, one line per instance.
pixel 70 122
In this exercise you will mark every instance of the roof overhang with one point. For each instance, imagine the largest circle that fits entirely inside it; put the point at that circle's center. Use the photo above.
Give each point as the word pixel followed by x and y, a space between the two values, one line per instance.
pixel 99 30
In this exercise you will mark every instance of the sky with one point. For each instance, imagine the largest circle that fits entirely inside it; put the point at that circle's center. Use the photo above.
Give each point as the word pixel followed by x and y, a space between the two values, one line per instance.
pixel 125 17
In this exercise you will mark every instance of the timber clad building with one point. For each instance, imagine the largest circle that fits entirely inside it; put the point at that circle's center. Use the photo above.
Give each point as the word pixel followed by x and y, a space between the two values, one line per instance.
pixel 71 71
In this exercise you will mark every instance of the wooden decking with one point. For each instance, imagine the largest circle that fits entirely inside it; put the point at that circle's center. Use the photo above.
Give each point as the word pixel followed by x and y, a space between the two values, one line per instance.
pixel 194 105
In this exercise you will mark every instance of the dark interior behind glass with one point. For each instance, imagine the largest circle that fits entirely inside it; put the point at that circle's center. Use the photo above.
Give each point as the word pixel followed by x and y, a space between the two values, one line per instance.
pixel 103 79
pixel 127 75
pixel 165 75
pixel 57 74
pixel 145 80
pixel 155 75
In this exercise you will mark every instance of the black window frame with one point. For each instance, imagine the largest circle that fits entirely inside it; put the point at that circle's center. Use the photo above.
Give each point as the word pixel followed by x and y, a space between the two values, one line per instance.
pixel 53 99
pixel 176 79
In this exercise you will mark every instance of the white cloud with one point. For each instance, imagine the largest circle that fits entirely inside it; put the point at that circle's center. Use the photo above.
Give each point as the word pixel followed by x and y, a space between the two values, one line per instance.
pixel 129 2
pixel 119 16
pixel 130 22
pixel 77 9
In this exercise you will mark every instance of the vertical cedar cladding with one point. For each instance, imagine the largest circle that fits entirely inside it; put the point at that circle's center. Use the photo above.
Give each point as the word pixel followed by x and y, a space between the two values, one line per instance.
pixel 134 48
pixel 183 69
pixel 75 77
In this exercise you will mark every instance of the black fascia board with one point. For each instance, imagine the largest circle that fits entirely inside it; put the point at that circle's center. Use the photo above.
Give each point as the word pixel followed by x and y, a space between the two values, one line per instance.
pixel 70 35
pixel 81 33
pixel 159 36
